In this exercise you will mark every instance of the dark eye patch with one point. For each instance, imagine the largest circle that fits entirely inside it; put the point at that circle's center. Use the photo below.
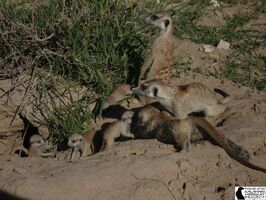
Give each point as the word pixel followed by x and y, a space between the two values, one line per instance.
pixel 155 91
pixel 74 141
pixel 39 141
pixel 80 140
pixel 166 22
pixel 154 17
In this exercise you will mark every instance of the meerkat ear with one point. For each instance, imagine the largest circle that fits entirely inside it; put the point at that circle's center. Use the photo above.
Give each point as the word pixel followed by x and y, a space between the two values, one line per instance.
pixel 166 22
pixel 155 91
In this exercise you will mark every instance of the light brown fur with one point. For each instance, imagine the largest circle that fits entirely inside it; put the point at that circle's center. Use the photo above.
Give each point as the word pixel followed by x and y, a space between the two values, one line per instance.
pixel 167 129
pixel 82 145
pixel 117 95
pixel 117 129
pixel 160 61
pixel 184 99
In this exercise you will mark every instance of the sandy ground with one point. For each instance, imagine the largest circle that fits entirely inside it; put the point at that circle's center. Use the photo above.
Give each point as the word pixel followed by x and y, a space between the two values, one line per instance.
pixel 144 169
pixel 147 169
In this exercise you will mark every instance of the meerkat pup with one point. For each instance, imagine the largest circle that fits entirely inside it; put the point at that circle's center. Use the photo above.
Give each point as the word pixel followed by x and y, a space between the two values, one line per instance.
pixel 82 145
pixel 183 99
pixel 118 128
pixel 167 129
pixel 159 62
pixel 38 147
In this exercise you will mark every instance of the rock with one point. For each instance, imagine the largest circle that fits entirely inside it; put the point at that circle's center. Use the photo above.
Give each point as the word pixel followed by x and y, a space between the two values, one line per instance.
pixel 208 48
pixel 215 3
pixel 223 45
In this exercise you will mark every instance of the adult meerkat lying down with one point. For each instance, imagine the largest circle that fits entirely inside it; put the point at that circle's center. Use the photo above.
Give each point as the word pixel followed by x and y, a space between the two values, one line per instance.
pixel 167 129
pixel 82 145
pixel 118 128
pixel 183 100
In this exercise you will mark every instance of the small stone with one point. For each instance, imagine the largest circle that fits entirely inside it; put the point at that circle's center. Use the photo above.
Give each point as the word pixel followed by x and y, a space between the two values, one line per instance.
pixel 223 45
pixel 208 48
pixel 215 3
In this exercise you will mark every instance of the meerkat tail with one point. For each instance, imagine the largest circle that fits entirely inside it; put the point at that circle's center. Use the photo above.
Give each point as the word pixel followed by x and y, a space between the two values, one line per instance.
pixel 231 148
pixel 226 96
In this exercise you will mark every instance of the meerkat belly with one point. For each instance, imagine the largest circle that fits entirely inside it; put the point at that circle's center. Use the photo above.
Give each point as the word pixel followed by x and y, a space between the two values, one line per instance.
pixel 163 58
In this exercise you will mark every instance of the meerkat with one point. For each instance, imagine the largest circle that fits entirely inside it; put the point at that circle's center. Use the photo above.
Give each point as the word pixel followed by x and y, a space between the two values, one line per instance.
pixel 148 118
pixel 118 128
pixel 183 100
pixel 82 145
pixel 159 63
pixel 38 147
pixel 118 94
pixel 167 129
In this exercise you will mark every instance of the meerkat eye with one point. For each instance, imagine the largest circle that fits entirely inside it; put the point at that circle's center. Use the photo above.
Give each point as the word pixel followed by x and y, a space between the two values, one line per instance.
pixel 74 141
pixel 80 139
pixel 143 87
pixel 166 22
pixel 154 17
pixel 39 141
pixel 155 91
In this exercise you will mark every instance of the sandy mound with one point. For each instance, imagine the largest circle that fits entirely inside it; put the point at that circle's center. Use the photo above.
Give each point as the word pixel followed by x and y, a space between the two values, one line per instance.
pixel 147 169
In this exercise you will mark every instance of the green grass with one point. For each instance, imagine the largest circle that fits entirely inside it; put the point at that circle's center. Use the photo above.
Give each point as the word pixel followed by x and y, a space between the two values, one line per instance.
pixel 66 120
pixel 97 44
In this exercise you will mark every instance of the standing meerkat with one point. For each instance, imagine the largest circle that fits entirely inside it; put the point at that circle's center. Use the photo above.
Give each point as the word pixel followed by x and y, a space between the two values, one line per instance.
pixel 167 129
pixel 82 145
pixel 183 99
pixel 159 63
pixel 38 147
pixel 118 128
